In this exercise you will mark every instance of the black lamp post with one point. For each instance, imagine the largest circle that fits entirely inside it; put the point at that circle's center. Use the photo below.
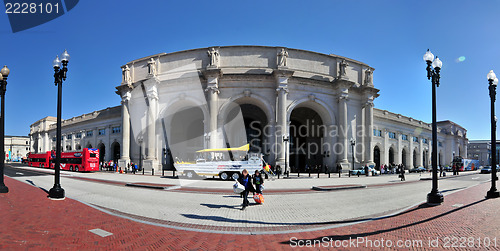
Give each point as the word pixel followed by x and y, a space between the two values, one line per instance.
pixel 433 67
pixel 493 80
pixel 285 141
pixel 57 192
pixel 4 73
pixel 353 143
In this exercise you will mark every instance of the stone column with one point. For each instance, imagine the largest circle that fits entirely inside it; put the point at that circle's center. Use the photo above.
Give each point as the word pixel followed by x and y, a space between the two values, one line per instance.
pixel 368 127
pixel 410 163
pixel 343 130
pixel 399 159
pixel 125 148
pixel 213 75
pixel 282 76
pixel 151 160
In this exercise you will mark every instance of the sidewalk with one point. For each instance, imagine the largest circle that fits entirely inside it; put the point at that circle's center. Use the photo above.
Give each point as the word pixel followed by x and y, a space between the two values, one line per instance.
pixel 31 221
pixel 282 185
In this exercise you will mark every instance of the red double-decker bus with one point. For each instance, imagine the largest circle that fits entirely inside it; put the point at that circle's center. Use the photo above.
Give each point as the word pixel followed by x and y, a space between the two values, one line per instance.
pixel 85 161
pixel 39 159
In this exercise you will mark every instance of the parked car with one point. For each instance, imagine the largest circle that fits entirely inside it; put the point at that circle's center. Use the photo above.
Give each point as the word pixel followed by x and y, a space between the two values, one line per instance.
pixel 486 169
pixel 361 171
pixel 419 169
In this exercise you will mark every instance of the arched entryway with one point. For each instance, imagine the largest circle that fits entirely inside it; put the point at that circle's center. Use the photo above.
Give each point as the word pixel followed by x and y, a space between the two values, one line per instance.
pixel 403 157
pixel 78 147
pixel 249 131
pixel 424 158
pixel 306 132
pixel 376 157
pixel 89 145
pixel 415 158
pixel 116 151
pixel 186 133
pixel 102 152
pixel 391 156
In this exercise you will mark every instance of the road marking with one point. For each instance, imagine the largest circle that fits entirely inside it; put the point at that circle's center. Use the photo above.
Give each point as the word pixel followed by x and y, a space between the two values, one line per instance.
pixel 475 178
pixel 100 232
pixel 457 205
pixel 19 173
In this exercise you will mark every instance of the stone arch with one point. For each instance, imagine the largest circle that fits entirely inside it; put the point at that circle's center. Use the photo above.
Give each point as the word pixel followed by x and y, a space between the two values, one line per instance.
pixel 405 155
pixel 252 99
pixel 377 156
pixel 88 145
pixel 318 105
pixel 78 147
pixel 115 154
pixel 102 152
pixel 391 155
pixel 416 157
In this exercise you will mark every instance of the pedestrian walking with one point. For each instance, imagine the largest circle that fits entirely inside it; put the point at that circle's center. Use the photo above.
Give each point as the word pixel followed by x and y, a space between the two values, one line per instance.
pixel 339 168
pixel 246 181
pixel 402 173
pixel 258 181
pixel 366 170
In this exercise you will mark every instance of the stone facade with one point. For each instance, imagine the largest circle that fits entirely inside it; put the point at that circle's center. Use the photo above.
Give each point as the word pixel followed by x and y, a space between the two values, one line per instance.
pixel 298 108
pixel 99 129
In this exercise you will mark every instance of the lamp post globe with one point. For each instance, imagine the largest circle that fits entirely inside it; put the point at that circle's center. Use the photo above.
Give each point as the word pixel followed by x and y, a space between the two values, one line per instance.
pixel 56 63
pixel 428 56
pixel 65 56
pixel 437 64
pixel 5 71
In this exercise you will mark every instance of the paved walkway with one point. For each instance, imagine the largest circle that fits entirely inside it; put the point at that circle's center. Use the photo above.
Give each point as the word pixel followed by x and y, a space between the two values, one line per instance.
pixel 31 221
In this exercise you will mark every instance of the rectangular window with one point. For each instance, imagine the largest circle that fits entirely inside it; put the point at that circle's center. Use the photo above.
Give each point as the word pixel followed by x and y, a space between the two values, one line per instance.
pixel 54 139
pixel 27 142
pixel 115 129
pixel 415 139
pixel 68 136
pixel 90 133
pixel 425 141
pixel 440 144
pixel 404 137
pixel 102 131
pixel 78 135
pixel 392 135
pixel 377 132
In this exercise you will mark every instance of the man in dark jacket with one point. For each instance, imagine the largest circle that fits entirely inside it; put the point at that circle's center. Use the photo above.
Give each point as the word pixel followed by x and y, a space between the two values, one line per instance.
pixel 246 181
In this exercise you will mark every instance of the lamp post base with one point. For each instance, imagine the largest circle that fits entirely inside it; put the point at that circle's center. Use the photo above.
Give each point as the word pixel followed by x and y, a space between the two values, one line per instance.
pixel 492 194
pixel 435 198
pixel 4 189
pixel 56 192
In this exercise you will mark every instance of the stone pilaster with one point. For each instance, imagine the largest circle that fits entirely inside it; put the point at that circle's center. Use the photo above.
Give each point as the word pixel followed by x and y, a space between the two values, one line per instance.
pixel 151 160
pixel 282 77
pixel 213 76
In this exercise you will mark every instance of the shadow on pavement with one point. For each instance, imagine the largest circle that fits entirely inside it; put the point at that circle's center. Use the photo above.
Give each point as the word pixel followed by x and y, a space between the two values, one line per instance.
pixel 347 236
pixel 33 184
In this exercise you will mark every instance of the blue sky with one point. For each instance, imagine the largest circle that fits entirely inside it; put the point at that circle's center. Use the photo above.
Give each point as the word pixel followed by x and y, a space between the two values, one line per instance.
pixel 391 36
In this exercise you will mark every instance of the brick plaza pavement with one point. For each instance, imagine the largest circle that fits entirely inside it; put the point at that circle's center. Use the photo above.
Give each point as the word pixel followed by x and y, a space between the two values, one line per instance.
pixel 31 221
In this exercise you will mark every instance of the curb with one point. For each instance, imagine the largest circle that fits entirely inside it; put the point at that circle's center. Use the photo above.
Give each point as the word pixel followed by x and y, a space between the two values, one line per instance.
pixel 145 186
pixel 450 177
pixel 345 187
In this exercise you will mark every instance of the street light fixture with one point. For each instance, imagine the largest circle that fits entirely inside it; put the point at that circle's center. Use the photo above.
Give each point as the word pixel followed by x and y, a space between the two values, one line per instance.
pixel 57 192
pixel 433 68
pixel 285 141
pixel 493 81
pixel 353 143
pixel 4 73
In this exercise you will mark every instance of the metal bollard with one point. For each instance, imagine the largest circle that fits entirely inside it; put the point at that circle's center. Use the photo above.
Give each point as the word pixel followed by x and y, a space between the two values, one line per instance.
pixel 309 172
pixel 152 171
pixel 278 175
pixel 173 174
pixel 328 174
pixel 298 173
pixel 162 172
pixel 143 171
pixel 318 173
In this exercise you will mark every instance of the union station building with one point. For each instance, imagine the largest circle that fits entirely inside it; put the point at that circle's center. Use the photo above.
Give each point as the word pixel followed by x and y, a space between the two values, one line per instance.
pixel 298 108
